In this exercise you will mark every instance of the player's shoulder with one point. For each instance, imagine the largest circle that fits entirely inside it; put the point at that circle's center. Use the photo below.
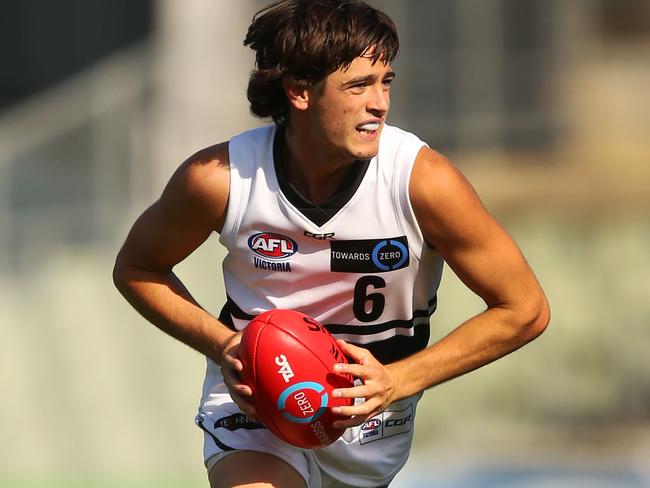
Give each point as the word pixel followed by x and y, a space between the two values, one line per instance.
pixel 399 145
pixel 205 171
pixel 198 190
pixel 394 135
pixel 435 175
pixel 256 134
pixel 216 160
pixel 426 159
pixel 250 148
pixel 438 187
pixel 430 160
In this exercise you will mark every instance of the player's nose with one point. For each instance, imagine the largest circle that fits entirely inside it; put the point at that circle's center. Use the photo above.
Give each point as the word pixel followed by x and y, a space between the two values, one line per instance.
pixel 379 101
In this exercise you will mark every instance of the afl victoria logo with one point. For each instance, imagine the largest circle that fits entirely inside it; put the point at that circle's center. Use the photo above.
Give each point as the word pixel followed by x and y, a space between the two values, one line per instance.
pixel 272 246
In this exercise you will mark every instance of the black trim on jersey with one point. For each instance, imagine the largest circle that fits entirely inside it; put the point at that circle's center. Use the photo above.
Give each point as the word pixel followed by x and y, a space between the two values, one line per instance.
pixel 384 326
pixel 219 444
pixel 399 346
pixel 226 318
pixel 318 214
pixel 376 328
pixel 386 351
pixel 230 310
pixel 396 347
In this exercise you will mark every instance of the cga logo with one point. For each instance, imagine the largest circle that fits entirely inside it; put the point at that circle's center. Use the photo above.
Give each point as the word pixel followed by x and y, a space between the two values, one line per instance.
pixel 272 246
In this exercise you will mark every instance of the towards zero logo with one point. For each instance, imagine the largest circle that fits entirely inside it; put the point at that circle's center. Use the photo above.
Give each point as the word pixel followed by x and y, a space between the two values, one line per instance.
pixel 369 255
pixel 272 246
pixel 303 402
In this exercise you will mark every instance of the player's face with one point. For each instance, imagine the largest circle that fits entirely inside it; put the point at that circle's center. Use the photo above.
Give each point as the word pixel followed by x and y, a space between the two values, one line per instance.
pixel 350 108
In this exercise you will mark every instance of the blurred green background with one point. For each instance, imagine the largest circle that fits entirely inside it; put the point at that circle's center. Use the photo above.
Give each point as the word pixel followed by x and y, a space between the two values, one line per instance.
pixel 542 103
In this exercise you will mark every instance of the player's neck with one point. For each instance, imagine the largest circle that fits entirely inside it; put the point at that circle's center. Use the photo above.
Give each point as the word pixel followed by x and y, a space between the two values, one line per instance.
pixel 314 171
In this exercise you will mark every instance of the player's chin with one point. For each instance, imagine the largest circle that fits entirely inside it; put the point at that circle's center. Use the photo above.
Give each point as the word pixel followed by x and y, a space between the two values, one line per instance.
pixel 365 151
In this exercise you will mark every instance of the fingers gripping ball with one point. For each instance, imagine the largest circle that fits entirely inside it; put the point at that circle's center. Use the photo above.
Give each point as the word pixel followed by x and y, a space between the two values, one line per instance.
pixel 288 359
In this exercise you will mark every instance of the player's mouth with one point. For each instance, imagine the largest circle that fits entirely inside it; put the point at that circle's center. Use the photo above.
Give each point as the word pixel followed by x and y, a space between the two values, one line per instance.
pixel 368 128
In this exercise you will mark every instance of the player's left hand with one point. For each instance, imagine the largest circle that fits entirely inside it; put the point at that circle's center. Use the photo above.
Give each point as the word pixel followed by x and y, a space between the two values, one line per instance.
pixel 378 388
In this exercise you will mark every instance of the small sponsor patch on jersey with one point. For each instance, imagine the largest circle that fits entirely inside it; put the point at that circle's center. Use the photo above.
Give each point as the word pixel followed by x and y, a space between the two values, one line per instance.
pixel 387 424
pixel 272 251
pixel 320 237
pixel 237 421
pixel 372 424
pixel 369 255
pixel 272 246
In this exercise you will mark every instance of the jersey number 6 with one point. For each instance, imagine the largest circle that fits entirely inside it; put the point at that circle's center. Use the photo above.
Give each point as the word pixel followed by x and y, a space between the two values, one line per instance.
pixel 368 306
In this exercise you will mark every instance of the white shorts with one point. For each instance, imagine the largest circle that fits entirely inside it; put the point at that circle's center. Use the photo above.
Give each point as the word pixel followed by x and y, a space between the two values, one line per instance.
pixel 316 477
pixel 367 456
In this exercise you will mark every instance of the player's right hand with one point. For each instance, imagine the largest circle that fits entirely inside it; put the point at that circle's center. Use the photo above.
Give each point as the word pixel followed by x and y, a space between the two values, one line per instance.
pixel 231 367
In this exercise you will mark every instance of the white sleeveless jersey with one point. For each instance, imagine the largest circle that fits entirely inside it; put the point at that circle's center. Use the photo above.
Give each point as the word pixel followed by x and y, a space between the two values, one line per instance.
pixel 363 271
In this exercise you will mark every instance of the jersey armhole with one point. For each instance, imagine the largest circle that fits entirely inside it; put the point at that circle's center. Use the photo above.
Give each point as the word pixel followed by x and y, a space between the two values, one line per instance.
pixel 404 162
pixel 237 196
pixel 246 152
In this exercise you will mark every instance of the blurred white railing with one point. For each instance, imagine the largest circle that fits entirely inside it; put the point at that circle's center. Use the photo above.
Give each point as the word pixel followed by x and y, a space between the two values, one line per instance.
pixel 84 127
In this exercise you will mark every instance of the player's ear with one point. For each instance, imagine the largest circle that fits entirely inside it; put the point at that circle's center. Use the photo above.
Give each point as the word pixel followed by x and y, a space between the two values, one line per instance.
pixel 297 93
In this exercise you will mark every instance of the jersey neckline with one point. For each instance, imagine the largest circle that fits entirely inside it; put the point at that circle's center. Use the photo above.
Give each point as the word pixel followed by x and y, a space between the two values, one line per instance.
pixel 318 214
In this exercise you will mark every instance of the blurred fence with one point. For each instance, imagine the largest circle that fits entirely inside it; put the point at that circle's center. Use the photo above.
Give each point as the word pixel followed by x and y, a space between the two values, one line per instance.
pixel 72 161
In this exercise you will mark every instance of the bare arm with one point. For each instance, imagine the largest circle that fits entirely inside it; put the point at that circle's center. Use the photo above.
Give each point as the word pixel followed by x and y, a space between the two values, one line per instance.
pixel 486 259
pixel 191 207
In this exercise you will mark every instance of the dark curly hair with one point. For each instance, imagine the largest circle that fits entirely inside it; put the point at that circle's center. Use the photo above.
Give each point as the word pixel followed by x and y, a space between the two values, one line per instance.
pixel 306 40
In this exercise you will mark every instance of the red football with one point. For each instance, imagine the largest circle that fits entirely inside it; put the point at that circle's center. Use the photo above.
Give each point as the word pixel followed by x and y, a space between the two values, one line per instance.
pixel 288 358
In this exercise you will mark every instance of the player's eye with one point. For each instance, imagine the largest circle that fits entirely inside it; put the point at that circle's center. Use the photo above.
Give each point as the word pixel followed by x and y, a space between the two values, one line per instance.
pixel 358 87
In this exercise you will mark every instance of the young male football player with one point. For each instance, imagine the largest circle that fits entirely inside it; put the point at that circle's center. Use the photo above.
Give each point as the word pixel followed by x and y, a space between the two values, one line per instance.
pixel 332 212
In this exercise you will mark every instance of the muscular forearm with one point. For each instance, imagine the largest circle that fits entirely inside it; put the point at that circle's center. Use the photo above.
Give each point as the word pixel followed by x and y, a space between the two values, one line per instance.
pixel 163 300
pixel 475 343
